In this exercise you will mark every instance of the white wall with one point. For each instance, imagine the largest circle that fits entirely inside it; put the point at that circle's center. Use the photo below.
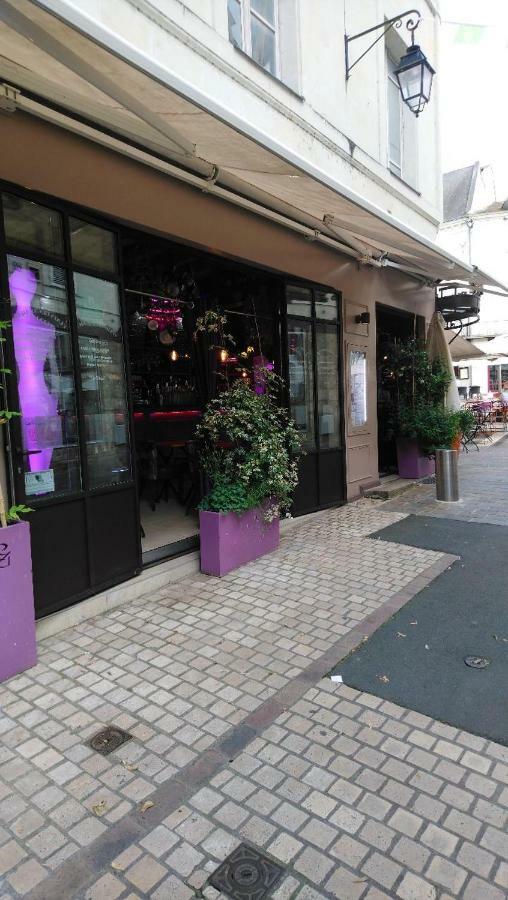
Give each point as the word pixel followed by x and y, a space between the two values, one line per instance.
pixel 340 127
pixel 483 238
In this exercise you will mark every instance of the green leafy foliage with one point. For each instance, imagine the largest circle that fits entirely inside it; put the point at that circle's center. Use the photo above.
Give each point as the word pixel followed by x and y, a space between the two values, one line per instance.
pixel 432 426
pixel 15 512
pixel 224 496
pixel 465 422
pixel 415 379
pixel 418 388
pixel 249 449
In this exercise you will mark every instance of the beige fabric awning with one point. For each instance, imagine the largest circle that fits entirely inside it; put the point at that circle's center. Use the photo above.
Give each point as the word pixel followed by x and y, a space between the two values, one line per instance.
pixel 67 68
pixel 460 348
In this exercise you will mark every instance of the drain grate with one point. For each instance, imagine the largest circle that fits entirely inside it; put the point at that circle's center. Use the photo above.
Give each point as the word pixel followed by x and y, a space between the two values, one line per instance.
pixel 246 874
pixel 109 739
pixel 477 662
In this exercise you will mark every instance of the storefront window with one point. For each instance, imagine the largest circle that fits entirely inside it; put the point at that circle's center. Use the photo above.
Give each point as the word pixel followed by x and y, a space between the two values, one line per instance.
pixel 301 380
pixel 102 380
pixel 358 387
pixel 326 306
pixel 328 385
pixel 299 301
pixel 92 247
pixel 49 454
pixel 494 381
pixel 31 228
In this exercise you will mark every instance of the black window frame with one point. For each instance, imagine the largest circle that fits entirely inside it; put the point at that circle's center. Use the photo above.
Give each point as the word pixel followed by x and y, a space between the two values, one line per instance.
pixel 64 262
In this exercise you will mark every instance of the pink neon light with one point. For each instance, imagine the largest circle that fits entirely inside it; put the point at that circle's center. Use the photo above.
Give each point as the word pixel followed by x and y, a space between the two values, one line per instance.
pixel 34 342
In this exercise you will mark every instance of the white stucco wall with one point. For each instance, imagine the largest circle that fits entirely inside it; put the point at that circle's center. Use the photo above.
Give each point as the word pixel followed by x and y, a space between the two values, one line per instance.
pixel 483 238
pixel 340 127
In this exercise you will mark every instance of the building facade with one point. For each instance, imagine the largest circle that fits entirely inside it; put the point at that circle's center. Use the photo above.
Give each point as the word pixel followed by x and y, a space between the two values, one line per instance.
pixel 475 227
pixel 161 158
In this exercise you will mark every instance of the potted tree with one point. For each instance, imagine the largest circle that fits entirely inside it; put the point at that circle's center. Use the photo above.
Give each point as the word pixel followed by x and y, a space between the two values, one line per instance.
pixel 17 618
pixel 418 418
pixel 248 451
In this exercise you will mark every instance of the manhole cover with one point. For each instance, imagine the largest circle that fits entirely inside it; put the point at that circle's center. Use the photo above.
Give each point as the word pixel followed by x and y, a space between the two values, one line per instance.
pixel 477 662
pixel 246 874
pixel 109 739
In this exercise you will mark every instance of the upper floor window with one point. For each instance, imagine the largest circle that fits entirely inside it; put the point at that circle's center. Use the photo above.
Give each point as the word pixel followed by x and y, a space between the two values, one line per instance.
pixel 402 131
pixel 254 28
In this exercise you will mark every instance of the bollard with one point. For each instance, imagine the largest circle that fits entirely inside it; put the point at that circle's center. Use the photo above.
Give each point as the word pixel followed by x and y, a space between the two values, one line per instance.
pixel 447 475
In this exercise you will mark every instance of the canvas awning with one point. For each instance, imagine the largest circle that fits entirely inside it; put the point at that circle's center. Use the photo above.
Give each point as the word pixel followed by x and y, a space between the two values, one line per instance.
pixel 71 70
pixel 460 348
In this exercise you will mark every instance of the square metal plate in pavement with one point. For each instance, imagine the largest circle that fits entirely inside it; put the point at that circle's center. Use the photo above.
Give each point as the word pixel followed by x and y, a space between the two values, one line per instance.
pixel 246 874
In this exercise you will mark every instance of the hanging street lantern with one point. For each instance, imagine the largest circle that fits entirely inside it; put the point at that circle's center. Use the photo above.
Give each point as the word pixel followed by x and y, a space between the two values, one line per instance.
pixel 414 73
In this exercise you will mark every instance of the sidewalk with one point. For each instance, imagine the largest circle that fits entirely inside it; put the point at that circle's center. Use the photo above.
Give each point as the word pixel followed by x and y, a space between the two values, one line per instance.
pixel 238 735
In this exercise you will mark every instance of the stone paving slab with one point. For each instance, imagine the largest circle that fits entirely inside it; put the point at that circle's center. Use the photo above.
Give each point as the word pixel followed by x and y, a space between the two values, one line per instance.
pixel 483 489
pixel 200 674
pixel 356 797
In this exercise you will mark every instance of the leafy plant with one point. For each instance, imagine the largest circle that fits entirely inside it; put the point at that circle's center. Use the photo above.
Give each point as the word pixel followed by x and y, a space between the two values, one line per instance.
pixel 432 426
pixel 248 449
pixel 465 422
pixel 14 513
pixel 213 322
pixel 414 379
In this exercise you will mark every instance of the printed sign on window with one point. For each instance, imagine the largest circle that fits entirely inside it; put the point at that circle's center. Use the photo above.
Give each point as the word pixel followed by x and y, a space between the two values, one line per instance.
pixel 39 482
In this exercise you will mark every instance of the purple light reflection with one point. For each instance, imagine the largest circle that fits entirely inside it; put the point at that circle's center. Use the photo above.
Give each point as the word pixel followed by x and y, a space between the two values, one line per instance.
pixel 34 341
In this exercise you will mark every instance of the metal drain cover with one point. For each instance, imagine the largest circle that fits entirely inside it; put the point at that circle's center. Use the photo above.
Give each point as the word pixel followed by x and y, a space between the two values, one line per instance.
pixel 246 874
pixel 477 662
pixel 109 739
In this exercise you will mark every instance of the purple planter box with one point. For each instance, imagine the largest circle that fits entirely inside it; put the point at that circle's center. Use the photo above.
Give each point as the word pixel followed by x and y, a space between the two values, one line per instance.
pixel 17 617
pixel 412 462
pixel 229 540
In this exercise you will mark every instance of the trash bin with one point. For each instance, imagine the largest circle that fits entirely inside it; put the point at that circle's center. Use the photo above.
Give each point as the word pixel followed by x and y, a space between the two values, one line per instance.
pixel 447 475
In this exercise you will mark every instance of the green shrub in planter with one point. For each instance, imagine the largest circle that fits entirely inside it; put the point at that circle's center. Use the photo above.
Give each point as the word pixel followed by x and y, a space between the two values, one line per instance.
pixel 249 450
pixel 431 426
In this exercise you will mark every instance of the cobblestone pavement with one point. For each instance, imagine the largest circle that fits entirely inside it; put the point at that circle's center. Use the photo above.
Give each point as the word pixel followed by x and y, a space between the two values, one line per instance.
pixel 483 489
pixel 238 736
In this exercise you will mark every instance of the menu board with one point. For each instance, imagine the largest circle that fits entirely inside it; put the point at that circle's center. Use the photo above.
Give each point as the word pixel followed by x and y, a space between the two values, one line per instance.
pixel 358 387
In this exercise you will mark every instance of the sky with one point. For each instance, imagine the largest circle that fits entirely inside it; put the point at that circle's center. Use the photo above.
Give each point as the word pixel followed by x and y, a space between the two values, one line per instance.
pixel 473 76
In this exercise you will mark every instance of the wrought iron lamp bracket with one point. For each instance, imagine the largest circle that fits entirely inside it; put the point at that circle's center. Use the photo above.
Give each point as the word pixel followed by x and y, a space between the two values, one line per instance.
pixel 396 22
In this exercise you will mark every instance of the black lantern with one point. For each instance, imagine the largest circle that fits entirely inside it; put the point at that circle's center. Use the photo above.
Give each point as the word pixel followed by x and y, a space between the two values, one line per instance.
pixel 414 74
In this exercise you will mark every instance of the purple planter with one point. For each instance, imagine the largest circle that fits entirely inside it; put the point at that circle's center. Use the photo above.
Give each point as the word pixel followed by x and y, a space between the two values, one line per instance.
pixel 17 617
pixel 229 540
pixel 412 461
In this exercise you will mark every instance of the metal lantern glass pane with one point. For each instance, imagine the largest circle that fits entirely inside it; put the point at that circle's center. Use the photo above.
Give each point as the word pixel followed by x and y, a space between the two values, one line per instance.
pixel 414 75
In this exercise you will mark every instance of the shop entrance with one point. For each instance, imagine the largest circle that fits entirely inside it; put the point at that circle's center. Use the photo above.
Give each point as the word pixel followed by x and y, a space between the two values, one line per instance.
pixel 174 371
pixel 111 377
pixel 392 325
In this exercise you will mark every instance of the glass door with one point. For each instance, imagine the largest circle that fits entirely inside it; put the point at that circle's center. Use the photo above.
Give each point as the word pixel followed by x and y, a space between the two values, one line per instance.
pixel 70 456
pixel 315 395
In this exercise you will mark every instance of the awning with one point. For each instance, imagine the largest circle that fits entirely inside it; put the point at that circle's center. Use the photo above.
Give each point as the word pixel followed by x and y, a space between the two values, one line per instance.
pixel 71 70
pixel 496 350
pixel 460 348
